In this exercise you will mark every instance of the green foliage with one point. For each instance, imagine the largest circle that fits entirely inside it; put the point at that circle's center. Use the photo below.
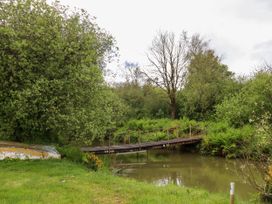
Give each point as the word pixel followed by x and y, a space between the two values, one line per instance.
pixel 156 102
pixel 260 145
pixel 132 95
pixel 92 161
pixel 71 153
pixel 51 84
pixel 143 101
pixel 250 104
pixel 223 140
pixel 157 129
pixel 208 82
pixel 259 149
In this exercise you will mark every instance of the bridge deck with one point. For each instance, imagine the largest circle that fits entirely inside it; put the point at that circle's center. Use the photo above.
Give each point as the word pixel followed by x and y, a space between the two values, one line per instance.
pixel 140 146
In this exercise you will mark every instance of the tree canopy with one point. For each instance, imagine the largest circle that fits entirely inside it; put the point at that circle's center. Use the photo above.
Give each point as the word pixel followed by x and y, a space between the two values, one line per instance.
pixel 250 104
pixel 208 82
pixel 51 83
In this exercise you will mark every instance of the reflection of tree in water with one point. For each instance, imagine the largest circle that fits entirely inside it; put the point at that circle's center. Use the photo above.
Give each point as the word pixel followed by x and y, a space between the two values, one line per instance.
pixel 173 178
pixel 176 179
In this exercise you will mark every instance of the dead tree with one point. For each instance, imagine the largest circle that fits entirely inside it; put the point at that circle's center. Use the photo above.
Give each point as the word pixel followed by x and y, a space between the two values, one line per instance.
pixel 168 57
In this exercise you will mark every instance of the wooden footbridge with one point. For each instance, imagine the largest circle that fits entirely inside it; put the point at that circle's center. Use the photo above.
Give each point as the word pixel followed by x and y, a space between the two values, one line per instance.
pixel 140 146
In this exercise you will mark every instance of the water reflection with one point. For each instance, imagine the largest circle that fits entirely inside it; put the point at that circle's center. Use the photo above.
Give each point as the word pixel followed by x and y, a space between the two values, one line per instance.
pixel 185 169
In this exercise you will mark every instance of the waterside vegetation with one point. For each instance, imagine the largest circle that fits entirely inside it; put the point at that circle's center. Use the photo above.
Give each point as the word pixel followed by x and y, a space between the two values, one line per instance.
pixel 53 91
pixel 68 182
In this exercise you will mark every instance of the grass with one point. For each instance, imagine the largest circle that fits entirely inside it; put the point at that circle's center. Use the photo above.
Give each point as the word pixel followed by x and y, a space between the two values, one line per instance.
pixel 61 181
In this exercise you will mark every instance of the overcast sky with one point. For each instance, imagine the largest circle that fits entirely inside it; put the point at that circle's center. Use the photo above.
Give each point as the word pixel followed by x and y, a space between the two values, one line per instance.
pixel 239 30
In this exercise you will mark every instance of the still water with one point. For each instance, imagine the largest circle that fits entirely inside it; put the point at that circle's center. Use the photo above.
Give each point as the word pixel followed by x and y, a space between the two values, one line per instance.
pixel 184 169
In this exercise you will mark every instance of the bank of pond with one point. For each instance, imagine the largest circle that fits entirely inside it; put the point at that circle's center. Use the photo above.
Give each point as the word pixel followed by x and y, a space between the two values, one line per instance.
pixel 171 175
pixel 63 181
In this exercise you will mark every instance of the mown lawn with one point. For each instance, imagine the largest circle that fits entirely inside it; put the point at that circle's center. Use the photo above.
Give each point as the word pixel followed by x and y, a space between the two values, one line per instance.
pixel 60 181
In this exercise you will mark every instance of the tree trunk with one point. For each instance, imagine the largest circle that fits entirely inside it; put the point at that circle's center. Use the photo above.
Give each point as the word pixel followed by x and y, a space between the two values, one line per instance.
pixel 173 106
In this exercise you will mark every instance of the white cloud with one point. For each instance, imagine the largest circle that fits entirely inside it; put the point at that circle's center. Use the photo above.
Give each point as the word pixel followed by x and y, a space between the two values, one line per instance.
pixel 234 27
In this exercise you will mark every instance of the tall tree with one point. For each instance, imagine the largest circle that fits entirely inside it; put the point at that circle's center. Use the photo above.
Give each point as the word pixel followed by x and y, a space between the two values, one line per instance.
pixel 168 58
pixel 51 84
pixel 208 82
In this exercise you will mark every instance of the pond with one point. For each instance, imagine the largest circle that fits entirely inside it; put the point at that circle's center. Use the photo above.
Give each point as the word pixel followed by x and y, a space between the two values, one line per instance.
pixel 162 167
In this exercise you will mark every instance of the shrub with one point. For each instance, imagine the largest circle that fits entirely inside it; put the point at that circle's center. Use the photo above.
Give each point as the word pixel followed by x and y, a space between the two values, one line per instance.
pixel 92 161
pixel 71 153
pixel 157 129
pixel 155 136
pixel 248 106
pixel 223 140
pixel 187 126
pixel 74 154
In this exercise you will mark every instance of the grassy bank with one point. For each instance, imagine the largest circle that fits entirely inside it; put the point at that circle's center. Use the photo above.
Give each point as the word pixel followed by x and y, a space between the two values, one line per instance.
pixel 66 182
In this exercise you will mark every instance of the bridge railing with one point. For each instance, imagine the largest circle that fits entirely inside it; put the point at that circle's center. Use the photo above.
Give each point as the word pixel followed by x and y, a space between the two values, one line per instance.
pixel 173 132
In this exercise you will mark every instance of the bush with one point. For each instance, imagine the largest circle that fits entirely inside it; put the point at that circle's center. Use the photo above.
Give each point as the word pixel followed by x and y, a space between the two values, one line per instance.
pixel 191 126
pixel 71 153
pixel 155 136
pixel 223 140
pixel 157 129
pixel 74 154
pixel 260 151
pixel 92 161
pixel 248 106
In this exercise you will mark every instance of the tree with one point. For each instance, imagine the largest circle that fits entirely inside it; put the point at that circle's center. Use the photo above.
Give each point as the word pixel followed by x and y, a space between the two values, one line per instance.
pixel 250 104
pixel 169 58
pixel 51 83
pixel 208 82
pixel 142 98
pixel 133 73
pixel 155 102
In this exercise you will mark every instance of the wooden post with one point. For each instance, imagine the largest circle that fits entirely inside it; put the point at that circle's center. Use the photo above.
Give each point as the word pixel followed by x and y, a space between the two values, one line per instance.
pixel 109 145
pixel 129 133
pixel 190 130
pixel 232 192
pixel 139 140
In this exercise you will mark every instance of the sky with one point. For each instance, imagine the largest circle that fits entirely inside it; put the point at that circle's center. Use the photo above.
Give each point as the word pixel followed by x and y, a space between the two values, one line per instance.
pixel 240 31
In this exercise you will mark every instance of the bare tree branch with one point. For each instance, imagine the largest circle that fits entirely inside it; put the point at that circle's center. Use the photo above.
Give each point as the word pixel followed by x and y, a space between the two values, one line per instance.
pixel 168 57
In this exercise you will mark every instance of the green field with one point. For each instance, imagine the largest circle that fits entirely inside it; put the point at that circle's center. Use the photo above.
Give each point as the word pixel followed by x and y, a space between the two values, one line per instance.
pixel 60 181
